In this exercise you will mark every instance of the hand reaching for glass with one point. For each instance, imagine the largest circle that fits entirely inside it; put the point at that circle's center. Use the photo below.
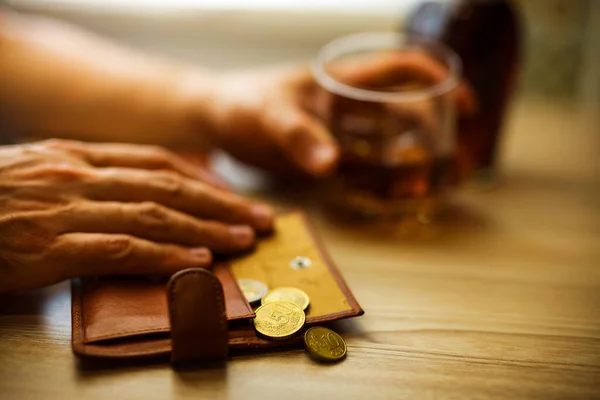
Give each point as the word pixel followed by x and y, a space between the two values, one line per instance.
pixel 277 118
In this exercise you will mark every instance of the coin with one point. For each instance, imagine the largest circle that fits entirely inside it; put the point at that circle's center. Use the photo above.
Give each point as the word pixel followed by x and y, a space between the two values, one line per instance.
pixel 253 290
pixel 324 344
pixel 294 295
pixel 279 319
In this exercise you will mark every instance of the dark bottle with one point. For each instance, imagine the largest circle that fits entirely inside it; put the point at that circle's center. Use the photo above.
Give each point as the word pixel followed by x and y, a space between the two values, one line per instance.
pixel 486 34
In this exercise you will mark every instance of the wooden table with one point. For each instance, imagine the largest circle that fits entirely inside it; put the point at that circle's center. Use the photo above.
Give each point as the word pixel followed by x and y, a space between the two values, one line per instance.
pixel 501 300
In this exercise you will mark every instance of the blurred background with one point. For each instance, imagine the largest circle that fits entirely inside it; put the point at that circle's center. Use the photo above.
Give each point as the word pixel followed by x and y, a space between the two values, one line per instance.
pixel 562 37
pixel 559 70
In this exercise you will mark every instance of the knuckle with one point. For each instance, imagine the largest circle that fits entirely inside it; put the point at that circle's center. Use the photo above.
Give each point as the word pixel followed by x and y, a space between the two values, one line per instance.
pixel 61 171
pixel 64 146
pixel 170 182
pixel 161 161
pixel 118 247
pixel 161 153
pixel 159 156
pixel 67 210
pixel 154 215
pixel 58 143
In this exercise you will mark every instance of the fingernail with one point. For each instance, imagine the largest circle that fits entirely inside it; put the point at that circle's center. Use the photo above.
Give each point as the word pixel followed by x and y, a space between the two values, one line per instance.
pixel 202 255
pixel 322 159
pixel 243 235
pixel 263 216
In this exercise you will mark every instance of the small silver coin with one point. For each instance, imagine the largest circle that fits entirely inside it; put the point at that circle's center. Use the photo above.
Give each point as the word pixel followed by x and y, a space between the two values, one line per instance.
pixel 253 290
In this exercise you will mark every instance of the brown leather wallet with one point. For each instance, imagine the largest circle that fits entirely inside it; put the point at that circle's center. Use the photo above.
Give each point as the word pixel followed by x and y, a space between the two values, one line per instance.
pixel 203 314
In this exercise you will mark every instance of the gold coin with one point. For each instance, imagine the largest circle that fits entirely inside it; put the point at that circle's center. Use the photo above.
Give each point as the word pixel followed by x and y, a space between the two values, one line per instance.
pixel 324 344
pixel 294 295
pixel 279 319
pixel 253 290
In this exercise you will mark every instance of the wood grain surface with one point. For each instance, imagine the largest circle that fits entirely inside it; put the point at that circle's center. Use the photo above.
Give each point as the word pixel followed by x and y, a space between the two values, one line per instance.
pixel 500 299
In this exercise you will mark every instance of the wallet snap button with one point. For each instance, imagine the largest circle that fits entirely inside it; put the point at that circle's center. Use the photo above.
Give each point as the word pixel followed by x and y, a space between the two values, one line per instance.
pixel 301 262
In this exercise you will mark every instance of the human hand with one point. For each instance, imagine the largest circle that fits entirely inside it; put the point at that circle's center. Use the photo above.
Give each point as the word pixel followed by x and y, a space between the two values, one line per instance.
pixel 274 119
pixel 71 209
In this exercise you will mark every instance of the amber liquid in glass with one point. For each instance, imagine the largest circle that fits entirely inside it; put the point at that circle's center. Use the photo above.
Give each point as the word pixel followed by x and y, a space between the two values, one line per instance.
pixel 391 165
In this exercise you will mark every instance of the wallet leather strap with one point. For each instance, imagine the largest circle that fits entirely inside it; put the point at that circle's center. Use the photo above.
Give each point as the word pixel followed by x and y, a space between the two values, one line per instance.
pixel 197 316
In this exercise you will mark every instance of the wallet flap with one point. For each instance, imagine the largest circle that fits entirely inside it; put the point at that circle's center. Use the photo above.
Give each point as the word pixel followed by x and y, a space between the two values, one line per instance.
pixel 118 307
pixel 273 264
pixel 197 316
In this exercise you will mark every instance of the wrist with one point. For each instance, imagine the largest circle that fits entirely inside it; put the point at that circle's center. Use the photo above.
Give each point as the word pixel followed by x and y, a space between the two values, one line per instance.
pixel 199 105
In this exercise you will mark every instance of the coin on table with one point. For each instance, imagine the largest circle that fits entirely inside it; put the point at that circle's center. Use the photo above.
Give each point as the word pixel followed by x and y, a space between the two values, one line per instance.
pixel 253 290
pixel 292 294
pixel 279 319
pixel 324 344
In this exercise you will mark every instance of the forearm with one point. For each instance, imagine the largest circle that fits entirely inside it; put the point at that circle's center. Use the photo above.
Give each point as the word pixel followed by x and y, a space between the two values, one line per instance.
pixel 57 80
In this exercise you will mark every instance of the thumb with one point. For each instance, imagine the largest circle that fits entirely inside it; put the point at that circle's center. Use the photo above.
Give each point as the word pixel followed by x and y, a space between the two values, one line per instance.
pixel 303 139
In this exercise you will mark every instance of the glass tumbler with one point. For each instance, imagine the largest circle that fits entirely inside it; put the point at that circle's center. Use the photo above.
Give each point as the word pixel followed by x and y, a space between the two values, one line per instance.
pixel 391 107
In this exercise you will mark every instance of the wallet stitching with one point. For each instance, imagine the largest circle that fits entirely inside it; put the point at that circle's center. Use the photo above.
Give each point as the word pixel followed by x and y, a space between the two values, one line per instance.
pixel 77 322
pixel 125 333
pixel 76 318
pixel 248 313
pixel 329 262
pixel 121 334
pixel 104 351
pixel 218 290
pixel 330 317
pixel 253 341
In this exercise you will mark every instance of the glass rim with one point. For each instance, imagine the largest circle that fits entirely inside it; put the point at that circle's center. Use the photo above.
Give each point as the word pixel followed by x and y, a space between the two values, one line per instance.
pixel 368 41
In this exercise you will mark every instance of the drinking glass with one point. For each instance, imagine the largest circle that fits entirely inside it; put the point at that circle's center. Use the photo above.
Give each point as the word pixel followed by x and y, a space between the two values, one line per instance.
pixel 395 125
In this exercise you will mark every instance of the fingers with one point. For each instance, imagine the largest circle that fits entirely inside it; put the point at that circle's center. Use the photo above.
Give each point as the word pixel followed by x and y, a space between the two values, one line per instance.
pixel 136 156
pixel 90 254
pixel 304 139
pixel 393 68
pixel 178 193
pixel 157 223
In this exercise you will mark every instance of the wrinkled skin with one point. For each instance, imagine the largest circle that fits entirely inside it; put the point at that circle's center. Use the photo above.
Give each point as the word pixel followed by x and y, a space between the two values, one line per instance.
pixel 72 209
